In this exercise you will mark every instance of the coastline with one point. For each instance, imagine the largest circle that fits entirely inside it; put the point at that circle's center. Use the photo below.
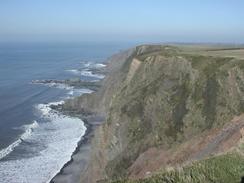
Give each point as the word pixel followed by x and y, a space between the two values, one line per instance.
pixel 68 173
pixel 79 162
pixel 71 170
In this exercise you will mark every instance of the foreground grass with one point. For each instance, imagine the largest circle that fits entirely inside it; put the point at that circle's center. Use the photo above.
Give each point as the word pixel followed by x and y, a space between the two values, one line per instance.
pixel 227 168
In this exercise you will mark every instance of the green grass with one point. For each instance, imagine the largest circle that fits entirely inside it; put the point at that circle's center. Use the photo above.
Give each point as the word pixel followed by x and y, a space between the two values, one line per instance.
pixel 227 168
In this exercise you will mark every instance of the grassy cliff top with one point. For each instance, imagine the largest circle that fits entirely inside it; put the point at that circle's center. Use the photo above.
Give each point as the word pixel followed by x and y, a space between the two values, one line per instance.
pixel 227 168
pixel 235 51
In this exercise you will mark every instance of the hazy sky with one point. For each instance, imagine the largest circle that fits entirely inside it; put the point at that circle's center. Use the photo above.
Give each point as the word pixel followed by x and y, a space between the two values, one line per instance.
pixel 122 20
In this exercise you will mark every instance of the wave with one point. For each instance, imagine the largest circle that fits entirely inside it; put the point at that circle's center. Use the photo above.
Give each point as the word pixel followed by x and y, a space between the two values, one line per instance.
pixel 53 84
pixel 71 92
pixel 92 65
pixel 86 73
pixel 100 65
pixel 28 130
pixel 57 134
pixel 60 86
pixel 87 68
pixel 78 92
pixel 87 65
pixel 83 91
pixel 24 101
pixel 74 71
pixel 46 109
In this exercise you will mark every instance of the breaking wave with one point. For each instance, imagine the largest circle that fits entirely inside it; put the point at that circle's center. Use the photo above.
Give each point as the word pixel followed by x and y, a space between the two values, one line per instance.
pixel 58 134
pixel 28 131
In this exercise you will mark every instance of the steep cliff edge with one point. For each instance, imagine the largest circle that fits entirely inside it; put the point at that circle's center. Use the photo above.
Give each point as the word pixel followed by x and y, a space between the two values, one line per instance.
pixel 164 106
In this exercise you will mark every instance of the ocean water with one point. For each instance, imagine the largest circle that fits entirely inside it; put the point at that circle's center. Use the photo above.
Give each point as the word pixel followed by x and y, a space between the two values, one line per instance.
pixel 36 141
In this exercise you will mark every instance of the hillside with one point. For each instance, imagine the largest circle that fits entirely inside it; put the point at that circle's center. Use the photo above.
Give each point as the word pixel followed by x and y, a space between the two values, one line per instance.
pixel 168 107
pixel 225 168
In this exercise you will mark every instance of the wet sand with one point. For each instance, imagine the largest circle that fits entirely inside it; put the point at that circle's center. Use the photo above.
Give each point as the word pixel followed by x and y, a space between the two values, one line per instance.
pixel 71 171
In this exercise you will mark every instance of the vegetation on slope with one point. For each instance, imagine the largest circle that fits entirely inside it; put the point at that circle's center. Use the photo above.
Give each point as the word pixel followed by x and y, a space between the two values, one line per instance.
pixel 227 168
pixel 171 98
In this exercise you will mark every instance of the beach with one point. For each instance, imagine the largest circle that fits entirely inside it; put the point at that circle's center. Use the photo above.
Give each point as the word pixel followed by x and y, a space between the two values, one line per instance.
pixel 71 171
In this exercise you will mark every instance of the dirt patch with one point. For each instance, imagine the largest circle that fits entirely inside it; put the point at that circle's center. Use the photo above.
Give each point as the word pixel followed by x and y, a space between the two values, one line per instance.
pixel 133 68
pixel 208 143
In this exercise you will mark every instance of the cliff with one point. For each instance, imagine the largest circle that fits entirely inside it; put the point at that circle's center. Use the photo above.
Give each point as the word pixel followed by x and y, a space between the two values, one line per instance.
pixel 165 106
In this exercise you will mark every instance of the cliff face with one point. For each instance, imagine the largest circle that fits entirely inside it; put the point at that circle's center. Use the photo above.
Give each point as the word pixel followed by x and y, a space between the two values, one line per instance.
pixel 163 106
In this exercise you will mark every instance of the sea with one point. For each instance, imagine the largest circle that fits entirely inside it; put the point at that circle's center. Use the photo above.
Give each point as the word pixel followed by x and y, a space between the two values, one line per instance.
pixel 35 140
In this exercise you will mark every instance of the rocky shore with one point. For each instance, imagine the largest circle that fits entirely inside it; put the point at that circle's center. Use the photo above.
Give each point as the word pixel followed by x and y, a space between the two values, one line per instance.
pixel 92 114
pixel 75 82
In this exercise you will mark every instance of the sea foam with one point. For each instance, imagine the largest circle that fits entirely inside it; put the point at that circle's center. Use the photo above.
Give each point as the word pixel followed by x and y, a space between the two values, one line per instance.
pixel 100 65
pixel 86 70
pixel 59 134
pixel 88 73
pixel 27 132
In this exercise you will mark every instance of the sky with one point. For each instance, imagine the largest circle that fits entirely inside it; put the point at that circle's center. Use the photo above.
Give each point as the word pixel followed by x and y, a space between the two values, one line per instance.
pixel 122 20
